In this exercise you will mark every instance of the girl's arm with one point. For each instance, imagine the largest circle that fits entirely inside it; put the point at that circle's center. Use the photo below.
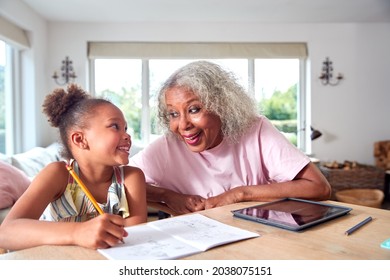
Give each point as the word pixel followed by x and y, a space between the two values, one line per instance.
pixel 22 228
pixel 136 195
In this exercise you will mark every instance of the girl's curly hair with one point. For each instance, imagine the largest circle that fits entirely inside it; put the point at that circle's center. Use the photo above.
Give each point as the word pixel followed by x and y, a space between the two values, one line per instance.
pixel 69 109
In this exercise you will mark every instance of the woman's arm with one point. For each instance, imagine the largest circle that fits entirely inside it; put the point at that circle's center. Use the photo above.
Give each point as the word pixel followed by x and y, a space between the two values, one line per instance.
pixel 309 183
pixel 176 202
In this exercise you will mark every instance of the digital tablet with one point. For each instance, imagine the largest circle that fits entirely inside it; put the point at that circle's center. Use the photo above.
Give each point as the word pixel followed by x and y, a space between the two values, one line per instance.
pixel 291 213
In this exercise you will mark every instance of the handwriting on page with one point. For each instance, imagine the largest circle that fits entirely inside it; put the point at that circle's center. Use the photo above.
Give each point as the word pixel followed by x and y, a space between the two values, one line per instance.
pixel 175 237
pixel 198 230
pixel 146 242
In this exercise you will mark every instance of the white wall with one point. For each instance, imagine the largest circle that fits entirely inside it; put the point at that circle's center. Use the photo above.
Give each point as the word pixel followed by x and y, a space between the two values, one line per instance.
pixel 352 115
pixel 33 84
pixel 355 114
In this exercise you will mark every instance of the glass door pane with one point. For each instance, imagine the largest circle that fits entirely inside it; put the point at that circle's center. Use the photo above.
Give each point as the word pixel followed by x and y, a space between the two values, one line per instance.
pixel 120 81
pixel 2 96
pixel 133 85
pixel 276 86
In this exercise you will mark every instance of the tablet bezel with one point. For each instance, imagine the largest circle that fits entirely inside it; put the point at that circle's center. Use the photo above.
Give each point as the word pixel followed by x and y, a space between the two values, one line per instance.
pixel 340 211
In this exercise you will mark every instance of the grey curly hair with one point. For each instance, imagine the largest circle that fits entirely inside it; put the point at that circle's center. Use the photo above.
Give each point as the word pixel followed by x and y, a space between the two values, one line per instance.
pixel 219 92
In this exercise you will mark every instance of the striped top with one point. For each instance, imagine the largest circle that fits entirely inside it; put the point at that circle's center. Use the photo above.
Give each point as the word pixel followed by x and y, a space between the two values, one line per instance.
pixel 74 205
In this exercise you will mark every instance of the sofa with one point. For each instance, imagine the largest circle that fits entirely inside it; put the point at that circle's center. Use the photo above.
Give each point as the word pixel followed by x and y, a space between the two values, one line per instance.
pixel 17 171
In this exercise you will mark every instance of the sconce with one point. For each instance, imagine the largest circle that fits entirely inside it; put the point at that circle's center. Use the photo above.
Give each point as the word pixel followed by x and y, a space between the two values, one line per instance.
pixel 326 76
pixel 314 133
pixel 67 73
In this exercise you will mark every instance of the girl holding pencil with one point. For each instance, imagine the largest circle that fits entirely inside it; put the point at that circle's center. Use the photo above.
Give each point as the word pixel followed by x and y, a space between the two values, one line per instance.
pixel 89 198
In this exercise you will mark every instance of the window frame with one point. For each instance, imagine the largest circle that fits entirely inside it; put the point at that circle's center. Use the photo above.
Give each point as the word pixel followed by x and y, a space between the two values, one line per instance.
pixel 12 99
pixel 303 141
pixel 16 40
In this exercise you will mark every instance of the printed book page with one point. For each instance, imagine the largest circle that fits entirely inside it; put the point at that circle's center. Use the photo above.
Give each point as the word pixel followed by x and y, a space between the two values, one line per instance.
pixel 174 238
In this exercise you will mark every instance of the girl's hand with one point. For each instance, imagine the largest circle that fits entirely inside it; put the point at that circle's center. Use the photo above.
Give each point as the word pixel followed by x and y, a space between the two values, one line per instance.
pixel 101 232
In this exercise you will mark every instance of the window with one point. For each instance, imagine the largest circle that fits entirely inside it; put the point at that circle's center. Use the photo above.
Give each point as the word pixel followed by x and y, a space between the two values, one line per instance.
pixel 2 96
pixel 13 40
pixel 8 99
pixel 276 90
pixel 132 84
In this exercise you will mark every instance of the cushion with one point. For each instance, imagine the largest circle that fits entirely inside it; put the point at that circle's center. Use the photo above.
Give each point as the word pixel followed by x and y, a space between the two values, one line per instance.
pixel 3 213
pixel 33 161
pixel 13 183
pixel 54 151
pixel 5 158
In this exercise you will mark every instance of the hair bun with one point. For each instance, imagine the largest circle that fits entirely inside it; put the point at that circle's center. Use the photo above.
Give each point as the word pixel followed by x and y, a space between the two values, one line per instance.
pixel 57 104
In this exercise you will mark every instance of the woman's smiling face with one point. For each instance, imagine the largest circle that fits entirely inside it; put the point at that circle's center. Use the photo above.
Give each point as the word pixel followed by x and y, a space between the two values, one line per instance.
pixel 199 129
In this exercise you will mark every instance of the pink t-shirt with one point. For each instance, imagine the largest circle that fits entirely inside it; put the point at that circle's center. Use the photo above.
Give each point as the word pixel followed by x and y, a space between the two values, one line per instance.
pixel 262 156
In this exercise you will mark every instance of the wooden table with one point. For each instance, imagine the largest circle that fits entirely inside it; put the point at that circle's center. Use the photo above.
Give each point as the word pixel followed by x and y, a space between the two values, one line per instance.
pixel 327 241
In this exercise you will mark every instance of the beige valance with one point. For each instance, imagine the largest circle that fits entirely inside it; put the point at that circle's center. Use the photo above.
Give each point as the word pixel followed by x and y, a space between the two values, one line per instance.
pixel 13 34
pixel 195 50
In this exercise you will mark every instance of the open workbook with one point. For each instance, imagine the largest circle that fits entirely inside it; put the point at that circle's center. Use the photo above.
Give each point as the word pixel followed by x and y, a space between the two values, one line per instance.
pixel 174 238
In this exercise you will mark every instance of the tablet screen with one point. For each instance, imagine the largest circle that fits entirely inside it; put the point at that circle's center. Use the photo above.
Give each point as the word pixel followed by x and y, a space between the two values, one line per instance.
pixel 293 214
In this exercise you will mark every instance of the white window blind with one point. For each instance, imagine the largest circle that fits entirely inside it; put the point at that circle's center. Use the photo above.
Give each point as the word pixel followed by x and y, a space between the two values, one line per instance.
pixel 200 50
pixel 12 34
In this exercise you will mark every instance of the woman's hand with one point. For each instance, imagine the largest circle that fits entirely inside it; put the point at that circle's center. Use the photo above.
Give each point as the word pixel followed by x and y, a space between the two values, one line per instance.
pixel 101 232
pixel 228 197
pixel 182 203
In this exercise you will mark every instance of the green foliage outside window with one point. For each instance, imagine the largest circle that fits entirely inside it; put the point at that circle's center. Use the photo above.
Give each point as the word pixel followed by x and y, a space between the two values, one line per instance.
pixel 129 101
pixel 281 109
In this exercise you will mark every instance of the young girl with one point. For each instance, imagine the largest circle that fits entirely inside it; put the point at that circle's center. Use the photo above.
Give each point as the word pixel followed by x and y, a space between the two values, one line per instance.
pixel 96 146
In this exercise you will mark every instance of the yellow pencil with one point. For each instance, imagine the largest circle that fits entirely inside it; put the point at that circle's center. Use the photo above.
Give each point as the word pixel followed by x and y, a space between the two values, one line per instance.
pixel 86 191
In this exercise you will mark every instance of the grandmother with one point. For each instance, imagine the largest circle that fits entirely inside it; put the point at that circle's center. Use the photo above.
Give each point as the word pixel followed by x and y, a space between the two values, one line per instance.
pixel 218 150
